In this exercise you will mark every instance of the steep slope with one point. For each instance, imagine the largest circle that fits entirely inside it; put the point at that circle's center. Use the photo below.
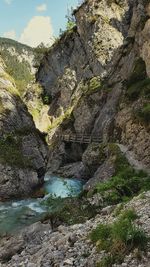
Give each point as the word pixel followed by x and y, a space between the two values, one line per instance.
pixel 19 60
pixel 97 77
pixel 23 151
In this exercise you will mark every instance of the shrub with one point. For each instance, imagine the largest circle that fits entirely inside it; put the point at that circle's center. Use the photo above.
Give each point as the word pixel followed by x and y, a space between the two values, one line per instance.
pixel 39 52
pixel 119 238
pixel 130 214
pixel 139 88
pixel 70 25
pixel 138 83
pixel 105 262
pixel 139 72
pixel 91 86
pixel 46 99
pixel 126 181
pixel 126 184
pixel 11 152
pixel 144 113
pixel 102 232
pixel 20 71
pixel 69 210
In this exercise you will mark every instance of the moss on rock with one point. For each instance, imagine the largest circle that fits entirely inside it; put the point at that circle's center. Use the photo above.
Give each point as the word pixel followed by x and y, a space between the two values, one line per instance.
pixel 11 152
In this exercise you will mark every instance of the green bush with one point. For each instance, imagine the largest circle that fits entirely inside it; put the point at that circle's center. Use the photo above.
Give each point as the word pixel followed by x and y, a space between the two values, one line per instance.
pixel 70 210
pixel 102 232
pixel 144 113
pixel 39 52
pixel 119 238
pixel 11 152
pixel 70 25
pixel 139 72
pixel 130 214
pixel 139 88
pixel 20 71
pixel 106 262
pixel 46 99
pixel 138 83
pixel 126 184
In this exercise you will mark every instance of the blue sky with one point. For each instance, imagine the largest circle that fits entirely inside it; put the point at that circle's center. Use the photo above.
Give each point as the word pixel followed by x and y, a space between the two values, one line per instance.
pixel 33 21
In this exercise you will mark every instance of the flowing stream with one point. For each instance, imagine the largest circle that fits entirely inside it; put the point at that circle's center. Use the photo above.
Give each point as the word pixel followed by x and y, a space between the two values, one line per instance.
pixel 15 215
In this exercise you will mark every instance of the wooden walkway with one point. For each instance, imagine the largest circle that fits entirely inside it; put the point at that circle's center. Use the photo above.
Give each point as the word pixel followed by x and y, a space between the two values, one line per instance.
pixel 81 138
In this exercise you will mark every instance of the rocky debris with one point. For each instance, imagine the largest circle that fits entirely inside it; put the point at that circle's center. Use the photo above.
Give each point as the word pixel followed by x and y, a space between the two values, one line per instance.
pixel 70 245
pixel 33 234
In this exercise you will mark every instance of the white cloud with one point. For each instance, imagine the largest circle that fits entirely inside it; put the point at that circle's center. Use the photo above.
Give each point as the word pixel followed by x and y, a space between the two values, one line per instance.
pixel 10 34
pixel 41 8
pixel 8 2
pixel 39 29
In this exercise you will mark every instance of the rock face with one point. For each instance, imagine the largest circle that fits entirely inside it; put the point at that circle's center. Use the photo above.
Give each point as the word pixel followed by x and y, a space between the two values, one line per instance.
pixel 97 78
pixel 23 151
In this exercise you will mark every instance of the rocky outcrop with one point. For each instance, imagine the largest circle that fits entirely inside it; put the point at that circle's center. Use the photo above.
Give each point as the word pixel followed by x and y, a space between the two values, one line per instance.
pixel 32 97
pixel 23 151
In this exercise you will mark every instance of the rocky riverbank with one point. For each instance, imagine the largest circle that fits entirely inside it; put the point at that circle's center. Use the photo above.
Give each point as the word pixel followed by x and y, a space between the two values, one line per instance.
pixel 40 246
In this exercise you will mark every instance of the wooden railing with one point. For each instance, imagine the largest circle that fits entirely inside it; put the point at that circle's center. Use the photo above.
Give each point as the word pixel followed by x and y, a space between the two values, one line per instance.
pixel 81 138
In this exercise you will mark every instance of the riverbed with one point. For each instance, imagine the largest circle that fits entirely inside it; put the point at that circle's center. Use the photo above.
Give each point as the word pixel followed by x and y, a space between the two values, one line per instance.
pixel 15 215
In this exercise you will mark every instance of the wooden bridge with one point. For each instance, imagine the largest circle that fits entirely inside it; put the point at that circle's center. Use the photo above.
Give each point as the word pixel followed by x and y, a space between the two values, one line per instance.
pixel 81 138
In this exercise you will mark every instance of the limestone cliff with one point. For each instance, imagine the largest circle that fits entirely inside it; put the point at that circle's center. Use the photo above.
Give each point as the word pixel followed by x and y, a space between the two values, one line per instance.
pixel 23 151
pixel 97 77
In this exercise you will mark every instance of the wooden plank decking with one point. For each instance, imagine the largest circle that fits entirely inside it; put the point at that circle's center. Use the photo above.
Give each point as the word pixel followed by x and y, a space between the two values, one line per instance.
pixel 81 138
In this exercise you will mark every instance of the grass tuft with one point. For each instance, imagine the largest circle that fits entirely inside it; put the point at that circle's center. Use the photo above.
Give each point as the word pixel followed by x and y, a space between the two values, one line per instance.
pixel 119 239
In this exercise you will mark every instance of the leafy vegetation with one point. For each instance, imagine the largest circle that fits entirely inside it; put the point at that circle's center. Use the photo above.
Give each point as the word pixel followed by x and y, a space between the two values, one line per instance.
pixel 11 151
pixel 10 88
pixel 39 51
pixel 6 43
pixel 138 83
pixel 16 67
pixel 125 184
pixel 71 22
pixel 140 88
pixel 70 25
pixel 91 86
pixel 69 210
pixel 144 113
pixel 46 98
pixel 119 239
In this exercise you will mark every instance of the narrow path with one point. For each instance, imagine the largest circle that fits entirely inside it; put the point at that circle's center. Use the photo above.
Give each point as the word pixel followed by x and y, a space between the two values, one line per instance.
pixel 81 138
pixel 88 138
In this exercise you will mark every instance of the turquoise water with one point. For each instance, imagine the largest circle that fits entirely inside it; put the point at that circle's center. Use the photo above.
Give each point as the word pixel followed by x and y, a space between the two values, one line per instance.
pixel 15 215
